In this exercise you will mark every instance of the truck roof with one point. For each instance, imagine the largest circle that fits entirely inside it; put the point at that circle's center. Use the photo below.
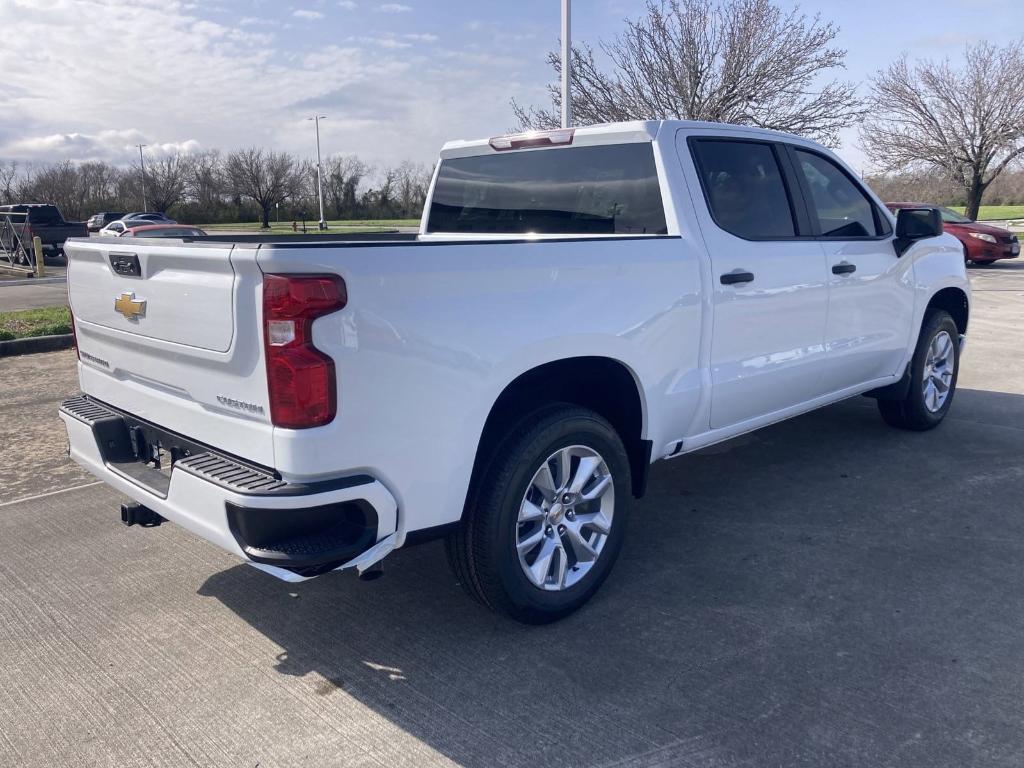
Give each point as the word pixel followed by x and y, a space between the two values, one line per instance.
pixel 620 133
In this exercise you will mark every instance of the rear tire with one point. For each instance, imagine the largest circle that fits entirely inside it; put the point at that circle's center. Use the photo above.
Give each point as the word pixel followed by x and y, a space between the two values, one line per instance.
pixel 531 543
pixel 933 373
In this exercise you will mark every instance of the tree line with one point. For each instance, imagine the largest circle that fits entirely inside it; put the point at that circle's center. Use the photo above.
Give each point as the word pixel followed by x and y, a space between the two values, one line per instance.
pixel 251 184
pixel 933 186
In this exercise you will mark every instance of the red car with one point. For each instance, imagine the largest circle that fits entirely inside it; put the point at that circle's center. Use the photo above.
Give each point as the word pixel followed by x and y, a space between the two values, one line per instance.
pixel 983 243
pixel 164 230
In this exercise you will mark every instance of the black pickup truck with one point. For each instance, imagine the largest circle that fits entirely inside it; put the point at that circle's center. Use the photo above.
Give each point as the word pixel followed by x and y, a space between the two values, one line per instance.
pixel 46 222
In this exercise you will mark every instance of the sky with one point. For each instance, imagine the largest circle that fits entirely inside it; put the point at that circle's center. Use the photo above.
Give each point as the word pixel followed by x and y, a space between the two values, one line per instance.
pixel 89 79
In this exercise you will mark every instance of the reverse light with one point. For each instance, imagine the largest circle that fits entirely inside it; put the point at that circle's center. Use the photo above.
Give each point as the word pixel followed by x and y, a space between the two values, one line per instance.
pixel 300 378
pixel 561 136
pixel 983 236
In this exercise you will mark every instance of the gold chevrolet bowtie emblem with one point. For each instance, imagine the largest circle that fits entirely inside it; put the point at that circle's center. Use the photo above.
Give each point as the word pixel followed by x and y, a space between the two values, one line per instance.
pixel 129 306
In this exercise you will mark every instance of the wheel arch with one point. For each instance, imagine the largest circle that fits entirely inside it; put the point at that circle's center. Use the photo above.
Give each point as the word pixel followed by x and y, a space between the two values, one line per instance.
pixel 603 384
pixel 954 301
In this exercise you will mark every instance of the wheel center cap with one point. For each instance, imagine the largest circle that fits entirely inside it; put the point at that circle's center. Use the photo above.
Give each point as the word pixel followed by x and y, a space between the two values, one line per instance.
pixel 556 513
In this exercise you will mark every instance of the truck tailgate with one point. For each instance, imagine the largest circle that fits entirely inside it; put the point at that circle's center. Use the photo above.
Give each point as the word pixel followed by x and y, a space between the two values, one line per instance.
pixel 187 293
pixel 170 332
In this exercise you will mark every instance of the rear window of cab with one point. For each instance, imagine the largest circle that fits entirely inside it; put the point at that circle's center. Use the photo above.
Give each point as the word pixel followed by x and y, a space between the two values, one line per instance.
pixel 592 190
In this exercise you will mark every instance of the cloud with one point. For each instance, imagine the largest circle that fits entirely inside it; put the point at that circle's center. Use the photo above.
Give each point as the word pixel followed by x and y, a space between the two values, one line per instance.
pixel 348 5
pixel 184 79
pixel 394 42
pixel 947 40
pixel 394 8
pixel 302 13
pixel 383 41
pixel 116 146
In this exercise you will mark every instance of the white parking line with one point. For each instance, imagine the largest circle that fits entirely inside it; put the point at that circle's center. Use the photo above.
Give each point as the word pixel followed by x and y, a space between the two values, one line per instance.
pixel 50 493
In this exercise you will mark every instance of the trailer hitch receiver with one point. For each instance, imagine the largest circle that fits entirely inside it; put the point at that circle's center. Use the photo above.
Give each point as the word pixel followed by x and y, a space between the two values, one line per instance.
pixel 136 514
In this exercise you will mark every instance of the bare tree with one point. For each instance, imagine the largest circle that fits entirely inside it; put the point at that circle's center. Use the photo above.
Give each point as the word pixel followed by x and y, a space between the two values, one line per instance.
pixel 380 200
pixel 969 123
pixel 8 179
pixel 205 183
pixel 97 186
pixel 730 61
pixel 166 180
pixel 413 181
pixel 268 178
pixel 58 184
pixel 342 176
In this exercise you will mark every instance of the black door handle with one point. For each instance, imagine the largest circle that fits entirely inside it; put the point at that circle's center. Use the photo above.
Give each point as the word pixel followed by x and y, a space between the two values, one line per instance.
pixel 844 269
pixel 732 278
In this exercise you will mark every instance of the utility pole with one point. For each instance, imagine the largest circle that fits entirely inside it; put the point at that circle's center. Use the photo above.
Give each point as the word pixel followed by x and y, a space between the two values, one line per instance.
pixel 566 66
pixel 319 173
pixel 142 163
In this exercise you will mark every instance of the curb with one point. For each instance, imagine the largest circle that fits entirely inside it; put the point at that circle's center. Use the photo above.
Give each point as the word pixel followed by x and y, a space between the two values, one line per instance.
pixel 36 344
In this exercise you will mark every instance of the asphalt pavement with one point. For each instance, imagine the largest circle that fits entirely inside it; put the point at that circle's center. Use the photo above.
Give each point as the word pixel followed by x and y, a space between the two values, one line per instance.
pixel 825 592
pixel 21 292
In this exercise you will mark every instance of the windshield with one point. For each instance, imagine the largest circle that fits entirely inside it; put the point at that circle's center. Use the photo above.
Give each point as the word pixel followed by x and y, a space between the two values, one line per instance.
pixel 952 217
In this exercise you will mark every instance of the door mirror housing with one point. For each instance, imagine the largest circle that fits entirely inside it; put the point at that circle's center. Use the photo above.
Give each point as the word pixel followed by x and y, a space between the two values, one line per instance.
pixel 913 224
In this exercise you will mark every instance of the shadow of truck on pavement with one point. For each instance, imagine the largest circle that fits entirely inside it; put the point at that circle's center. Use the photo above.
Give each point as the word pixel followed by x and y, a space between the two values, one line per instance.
pixel 827 591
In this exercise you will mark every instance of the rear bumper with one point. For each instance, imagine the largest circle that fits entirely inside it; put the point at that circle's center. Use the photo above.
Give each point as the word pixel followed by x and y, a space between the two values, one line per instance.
pixel 291 531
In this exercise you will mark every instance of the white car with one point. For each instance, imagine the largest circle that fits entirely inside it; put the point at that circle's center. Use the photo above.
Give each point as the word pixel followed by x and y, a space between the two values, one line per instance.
pixel 114 229
pixel 132 221
pixel 577 305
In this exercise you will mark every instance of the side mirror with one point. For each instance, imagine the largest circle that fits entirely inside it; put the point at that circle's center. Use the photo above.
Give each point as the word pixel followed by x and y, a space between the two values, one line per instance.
pixel 913 224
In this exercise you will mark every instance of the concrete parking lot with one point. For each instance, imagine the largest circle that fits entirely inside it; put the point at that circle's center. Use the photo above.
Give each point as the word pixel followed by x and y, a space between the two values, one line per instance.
pixel 826 592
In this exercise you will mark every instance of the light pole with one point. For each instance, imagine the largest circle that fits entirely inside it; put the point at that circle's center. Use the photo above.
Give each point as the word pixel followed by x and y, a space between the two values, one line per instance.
pixel 142 163
pixel 319 184
pixel 566 66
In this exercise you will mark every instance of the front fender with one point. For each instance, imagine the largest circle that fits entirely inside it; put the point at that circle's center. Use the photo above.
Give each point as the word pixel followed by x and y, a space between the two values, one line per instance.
pixel 938 264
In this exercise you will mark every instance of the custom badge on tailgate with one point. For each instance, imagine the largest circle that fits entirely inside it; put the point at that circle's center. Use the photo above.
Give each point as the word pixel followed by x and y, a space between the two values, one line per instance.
pixel 129 306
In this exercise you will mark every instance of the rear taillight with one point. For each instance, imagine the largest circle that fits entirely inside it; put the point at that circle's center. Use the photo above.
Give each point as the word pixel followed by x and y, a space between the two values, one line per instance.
pixel 300 377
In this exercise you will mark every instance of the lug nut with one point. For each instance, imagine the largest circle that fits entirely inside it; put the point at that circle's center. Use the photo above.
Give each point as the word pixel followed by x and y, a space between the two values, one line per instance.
pixel 567 498
pixel 548 530
pixel 570 515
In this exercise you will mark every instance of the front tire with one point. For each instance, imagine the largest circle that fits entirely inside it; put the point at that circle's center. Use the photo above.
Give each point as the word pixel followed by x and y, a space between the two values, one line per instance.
pixel 933 373
pixel 546 522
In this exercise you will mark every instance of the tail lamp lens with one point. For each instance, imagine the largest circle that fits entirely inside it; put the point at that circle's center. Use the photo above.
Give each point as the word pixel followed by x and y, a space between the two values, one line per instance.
pixel 301 378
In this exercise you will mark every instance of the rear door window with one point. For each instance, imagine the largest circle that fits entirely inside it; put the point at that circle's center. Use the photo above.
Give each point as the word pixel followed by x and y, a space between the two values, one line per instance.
pixel 842 208
pixel 598 190
pixel 744 188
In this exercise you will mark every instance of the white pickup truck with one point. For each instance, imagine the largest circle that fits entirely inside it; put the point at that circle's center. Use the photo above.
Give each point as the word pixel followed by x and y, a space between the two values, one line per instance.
pixel 577 305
